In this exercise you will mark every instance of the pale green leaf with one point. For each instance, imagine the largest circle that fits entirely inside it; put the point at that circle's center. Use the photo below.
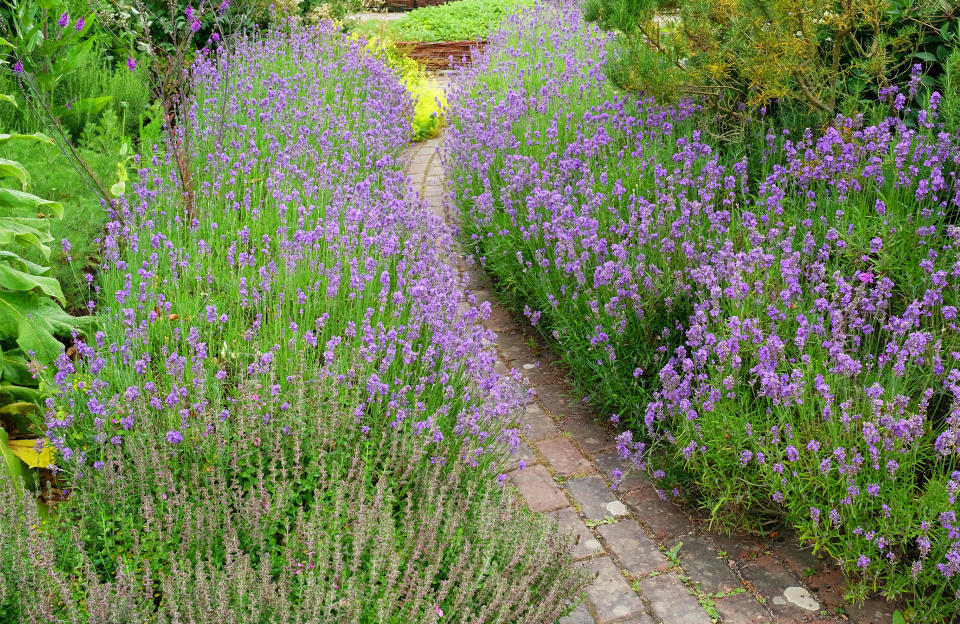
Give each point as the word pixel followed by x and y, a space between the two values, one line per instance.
pixel 37 137
pixel 33 321
pixel 19 200
pixel 14 169
pixel 27 231
pixel 12 278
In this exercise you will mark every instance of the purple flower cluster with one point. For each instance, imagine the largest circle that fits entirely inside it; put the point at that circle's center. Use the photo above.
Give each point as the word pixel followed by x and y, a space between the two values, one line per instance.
pixel 303 253
pixel 786 319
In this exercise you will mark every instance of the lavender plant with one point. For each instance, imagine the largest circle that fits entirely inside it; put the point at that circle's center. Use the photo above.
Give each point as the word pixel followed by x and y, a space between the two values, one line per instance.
pixel 780 320
pixel 289 412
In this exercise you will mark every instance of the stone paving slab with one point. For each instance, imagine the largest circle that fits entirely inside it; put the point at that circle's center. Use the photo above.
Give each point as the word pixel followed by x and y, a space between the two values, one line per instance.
pixel 538 426
pixel 579 616
pixel 632 524
pixel 566 459
pixel 587 543
pixel 595 498
pixel 539 489
pixel 663 519
pixel 742 609
pixel 671 602
pixel 704 564
pixel 522 457
pixel 630 479
pixel 785 597
pixel 610 593
pixel 636 552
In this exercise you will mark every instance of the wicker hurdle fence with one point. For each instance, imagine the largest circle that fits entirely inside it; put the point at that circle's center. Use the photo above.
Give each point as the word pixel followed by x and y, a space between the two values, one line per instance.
pixel 409 5
pixel 437 54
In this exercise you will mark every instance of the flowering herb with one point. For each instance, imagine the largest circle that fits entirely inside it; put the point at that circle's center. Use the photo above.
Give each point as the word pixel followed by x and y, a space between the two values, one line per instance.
pixel 792 312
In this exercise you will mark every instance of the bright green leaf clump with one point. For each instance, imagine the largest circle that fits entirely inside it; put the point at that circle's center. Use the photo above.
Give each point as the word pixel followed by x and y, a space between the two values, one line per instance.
pixel 454 21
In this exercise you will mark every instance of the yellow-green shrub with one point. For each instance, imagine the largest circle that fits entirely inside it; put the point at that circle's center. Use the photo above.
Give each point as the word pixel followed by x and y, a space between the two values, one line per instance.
pixel 429 100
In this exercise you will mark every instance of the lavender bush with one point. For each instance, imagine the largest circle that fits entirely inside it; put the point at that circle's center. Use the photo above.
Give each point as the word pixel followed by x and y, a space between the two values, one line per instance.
pixel 782 319
pixel 288 413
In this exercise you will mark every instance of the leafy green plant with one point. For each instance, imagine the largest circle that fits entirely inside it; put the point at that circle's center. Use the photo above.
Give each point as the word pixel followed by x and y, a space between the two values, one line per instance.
pixel 31 316
pixel 454 21
pixel 748 58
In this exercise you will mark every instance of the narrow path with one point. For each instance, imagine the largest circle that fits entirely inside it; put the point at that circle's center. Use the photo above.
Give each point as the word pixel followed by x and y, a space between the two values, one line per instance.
pixel 630 537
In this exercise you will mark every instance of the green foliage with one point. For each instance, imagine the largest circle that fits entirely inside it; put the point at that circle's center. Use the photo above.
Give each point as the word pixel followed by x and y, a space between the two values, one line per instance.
pixel 30 317
pixel 454 21
pixel 43 50
pixel 806 60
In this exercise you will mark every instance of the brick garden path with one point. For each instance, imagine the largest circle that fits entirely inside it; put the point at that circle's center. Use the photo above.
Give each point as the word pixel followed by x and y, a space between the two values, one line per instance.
pixel 626 536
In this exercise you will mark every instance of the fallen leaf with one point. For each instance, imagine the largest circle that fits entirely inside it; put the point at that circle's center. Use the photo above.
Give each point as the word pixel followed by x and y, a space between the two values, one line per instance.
pixel 25 449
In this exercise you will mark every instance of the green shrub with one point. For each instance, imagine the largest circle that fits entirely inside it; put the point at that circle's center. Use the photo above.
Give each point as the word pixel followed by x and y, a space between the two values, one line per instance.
pixel 454 21
pixel 745 58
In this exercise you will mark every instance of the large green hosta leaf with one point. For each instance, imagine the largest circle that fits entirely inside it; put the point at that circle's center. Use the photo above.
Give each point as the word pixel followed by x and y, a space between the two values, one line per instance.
pixel 14 169
pixel 36 137
pixel 14 367
pixel 19 200
pixel 33 321
pixel 18 471
pixel 19 274
pixel 26 231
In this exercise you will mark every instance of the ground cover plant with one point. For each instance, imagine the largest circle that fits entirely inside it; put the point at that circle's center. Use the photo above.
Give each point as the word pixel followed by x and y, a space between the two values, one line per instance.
pixel 781 320
pixel 453 21
pixel 287 412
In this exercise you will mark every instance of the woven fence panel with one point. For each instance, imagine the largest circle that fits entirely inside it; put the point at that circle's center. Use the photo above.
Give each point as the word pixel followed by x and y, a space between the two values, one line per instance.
pixel 437 54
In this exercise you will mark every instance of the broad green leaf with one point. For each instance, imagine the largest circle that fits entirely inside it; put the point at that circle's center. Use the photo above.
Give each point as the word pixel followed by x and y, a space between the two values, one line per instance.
pixel 8 98
pixel 25 450
pixel 18 471
pixel 23 264
pixel 926 56
pixel 4 42
pixel 118 188
pixel 18 200
pixel 14 368
pixel 33 322
pixel 10 392
pixel 90 106
pixel 14 279
pixel 38 137
pixel 74 57
pixel 27 231
pixel 898 618
pixel 18 415
pixel 15 170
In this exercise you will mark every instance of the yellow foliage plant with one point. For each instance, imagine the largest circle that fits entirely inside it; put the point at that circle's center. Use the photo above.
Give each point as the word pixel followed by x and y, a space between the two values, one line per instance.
pixel 429 99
